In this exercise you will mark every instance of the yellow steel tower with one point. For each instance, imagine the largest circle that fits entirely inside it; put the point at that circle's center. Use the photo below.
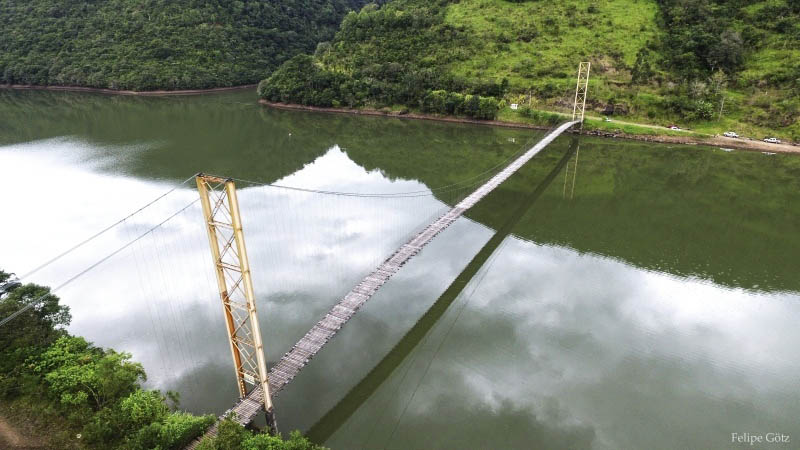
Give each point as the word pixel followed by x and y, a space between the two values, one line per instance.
pixel 224 226
pixel 581 91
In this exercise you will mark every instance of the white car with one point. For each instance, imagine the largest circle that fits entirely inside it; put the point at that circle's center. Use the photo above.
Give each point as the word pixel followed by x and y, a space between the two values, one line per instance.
pixel 730 134
pixel 772 140
pixel 676 128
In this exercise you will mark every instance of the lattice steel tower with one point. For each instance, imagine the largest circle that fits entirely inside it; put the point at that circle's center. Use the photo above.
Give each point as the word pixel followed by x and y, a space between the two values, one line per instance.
pixel 581 91
pixel 224 226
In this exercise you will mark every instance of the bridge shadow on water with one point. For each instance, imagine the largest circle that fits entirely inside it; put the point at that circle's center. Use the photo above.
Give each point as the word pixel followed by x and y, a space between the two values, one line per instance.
pixel 344 409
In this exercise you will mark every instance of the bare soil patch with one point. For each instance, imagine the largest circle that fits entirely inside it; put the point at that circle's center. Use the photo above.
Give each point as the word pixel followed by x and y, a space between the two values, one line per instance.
pixel 13 438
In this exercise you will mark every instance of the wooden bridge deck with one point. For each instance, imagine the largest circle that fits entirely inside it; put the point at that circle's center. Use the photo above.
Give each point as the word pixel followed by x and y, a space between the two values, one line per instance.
pixel 323 331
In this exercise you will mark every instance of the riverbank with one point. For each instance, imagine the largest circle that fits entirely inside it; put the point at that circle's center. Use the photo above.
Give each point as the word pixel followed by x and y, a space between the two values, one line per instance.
pixel 125 92
pixel 400 115
pixel 718 141
pixel 713 141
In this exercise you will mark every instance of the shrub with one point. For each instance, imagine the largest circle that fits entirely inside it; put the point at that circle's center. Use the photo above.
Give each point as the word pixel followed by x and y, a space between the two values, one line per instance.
pixel 232 436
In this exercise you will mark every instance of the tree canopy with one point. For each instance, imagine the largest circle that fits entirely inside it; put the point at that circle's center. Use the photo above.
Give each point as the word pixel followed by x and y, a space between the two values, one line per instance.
pixel 158 44
pixel 385 56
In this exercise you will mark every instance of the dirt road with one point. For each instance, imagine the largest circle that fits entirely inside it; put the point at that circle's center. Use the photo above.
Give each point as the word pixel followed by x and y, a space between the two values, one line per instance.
pixel 753 144
pixel 11 438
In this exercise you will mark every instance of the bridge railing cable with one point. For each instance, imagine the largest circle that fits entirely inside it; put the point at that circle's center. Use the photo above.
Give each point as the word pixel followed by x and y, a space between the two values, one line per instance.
pixel 102 232
pixel 86 270
pixel 452 192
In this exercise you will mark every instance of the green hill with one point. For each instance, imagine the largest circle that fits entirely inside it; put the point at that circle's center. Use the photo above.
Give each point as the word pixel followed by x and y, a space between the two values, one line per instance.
pixel 657 61
pixel 158 44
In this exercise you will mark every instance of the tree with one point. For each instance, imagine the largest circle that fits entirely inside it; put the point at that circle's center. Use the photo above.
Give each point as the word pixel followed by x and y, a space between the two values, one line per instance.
pixel 182 44
pixel 232 436
pixel 719 81
pixel 472 106
pixel 81 376
pixel 32 331
pixel 642 70
pixel 144 407
pixel 728 52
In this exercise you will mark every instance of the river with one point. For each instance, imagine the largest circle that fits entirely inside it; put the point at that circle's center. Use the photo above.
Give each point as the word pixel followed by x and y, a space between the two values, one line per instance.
pixel 634 295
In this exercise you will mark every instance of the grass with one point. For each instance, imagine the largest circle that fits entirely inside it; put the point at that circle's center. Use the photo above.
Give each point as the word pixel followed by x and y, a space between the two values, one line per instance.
pixel 537 45
pixel 633 129
pixel 509 115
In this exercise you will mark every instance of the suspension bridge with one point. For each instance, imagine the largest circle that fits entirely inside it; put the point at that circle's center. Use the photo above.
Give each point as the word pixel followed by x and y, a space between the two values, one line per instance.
pixel 323 331
pixel 223 223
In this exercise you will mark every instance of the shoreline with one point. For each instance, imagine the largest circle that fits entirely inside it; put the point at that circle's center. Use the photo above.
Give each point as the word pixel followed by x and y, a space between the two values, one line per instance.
pixel 711 141
pixel 396 115
pixel 159 93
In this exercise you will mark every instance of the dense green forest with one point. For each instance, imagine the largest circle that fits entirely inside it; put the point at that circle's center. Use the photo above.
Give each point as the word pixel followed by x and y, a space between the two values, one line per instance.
pixel 386 56
pixel 78 395
pixel 158 44
pixel 711 64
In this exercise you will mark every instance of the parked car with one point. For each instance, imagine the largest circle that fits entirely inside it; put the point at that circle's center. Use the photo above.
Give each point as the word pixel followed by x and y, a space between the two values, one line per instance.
pixel 606 119
pixel 674 127
pixel 772 140
pixel 730 134
pixel 9 285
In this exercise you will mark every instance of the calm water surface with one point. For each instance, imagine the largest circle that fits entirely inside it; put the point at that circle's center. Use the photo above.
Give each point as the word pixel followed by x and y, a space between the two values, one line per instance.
pixel 609 295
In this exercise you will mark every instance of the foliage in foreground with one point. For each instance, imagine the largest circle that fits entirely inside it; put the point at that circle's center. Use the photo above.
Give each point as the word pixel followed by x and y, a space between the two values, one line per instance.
pixel 158 44
pixel 232 436
pixel 96 392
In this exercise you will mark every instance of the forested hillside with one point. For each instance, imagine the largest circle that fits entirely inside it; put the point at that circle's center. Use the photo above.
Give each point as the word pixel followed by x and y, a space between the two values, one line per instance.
pixel 710 64
pixel 158 44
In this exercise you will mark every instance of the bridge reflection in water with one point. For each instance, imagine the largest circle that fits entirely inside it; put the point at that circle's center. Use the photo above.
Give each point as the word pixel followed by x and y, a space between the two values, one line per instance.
pixel 339 414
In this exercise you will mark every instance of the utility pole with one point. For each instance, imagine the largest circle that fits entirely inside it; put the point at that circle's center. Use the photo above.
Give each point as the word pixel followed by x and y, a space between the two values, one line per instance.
pixel 581 91
pixel 235 283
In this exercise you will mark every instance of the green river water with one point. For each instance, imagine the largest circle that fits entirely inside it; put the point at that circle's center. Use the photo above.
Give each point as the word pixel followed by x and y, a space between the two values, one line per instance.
pixel 610 295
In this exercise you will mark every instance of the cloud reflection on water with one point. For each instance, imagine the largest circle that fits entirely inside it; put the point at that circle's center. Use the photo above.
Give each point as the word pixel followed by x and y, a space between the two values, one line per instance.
pixel 587 352
pixel 157 299
pixel 553 348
